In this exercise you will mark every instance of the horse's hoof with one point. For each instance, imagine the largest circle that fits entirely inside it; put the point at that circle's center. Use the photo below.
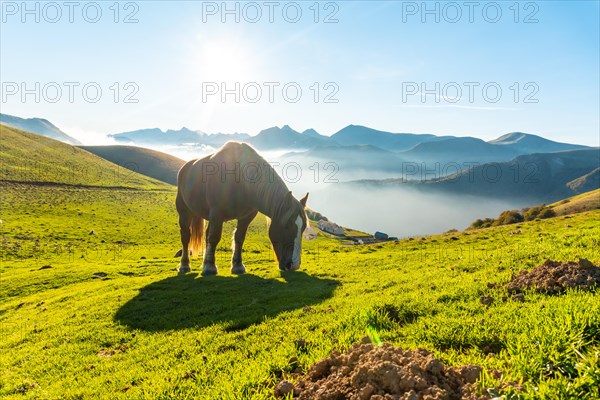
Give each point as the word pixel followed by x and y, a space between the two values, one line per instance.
pixel 238 269
pixel 208 269
pixel 183 269
pixel 290 268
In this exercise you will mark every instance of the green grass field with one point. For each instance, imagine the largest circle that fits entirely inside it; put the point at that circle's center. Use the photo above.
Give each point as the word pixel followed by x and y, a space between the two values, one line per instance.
pixel 105 315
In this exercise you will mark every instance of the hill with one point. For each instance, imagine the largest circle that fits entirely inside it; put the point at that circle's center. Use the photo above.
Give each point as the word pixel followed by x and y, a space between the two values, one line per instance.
pixel 589 181
pixel 109 309
pixel 90 290
pixel 526 143
pixel 34 159
pixel 152 163
pixel 537 178
pixel 459 150
pixel 362 135
pixel 577 204
pixel 38 125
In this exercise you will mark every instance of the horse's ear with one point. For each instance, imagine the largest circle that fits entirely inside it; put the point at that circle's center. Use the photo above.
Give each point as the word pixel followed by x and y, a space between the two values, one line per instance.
pixel 303 200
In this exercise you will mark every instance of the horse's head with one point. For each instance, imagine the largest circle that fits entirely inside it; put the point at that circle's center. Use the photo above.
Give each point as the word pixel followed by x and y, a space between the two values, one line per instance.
pixel 286 233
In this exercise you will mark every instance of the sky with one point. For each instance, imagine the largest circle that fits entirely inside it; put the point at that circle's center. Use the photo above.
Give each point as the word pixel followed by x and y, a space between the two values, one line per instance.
pixel 477 69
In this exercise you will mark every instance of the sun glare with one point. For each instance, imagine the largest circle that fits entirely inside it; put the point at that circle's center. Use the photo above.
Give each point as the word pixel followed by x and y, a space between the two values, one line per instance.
pixel 224 59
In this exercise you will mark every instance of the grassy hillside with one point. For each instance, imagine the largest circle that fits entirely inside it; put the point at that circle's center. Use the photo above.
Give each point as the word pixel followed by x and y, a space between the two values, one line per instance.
pixel 30 158
pixel 155 164
pixel 105 315
pixel 581 203
pixel 572 205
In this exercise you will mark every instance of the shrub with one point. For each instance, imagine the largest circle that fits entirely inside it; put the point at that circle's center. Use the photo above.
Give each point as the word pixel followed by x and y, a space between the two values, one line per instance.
pixel 482 223
pixel 547 213
pixel 532 213
pixel 540 212
pixel 508 217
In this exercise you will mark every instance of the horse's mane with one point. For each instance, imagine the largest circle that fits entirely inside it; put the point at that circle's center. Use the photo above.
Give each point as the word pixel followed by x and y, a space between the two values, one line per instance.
pixel 271 191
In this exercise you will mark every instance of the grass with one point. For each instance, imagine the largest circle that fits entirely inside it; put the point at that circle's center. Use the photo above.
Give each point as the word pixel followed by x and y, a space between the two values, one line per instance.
pixel 583 202
pixel 103 314
pixel 161 166
pixel 29 158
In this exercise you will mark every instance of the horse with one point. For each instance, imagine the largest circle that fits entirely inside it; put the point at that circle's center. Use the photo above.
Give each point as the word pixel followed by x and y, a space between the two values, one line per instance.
pixel 236 183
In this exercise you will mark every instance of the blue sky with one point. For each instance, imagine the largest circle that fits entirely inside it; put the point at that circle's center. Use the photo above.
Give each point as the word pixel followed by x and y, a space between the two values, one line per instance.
pixel 386 63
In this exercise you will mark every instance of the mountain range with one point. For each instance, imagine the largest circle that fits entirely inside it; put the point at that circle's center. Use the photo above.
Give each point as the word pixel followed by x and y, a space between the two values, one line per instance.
pixel 407 147
pixel 362 152
pixel 375 147
pixel 539 177
pixel 158 137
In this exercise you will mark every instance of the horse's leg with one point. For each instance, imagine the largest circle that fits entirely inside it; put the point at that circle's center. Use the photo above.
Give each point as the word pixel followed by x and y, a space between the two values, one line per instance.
pixel 185 219
pixel 213 237
pixel 237 266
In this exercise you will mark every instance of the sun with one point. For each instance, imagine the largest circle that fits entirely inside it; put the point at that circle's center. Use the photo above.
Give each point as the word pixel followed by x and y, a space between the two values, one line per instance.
pixel 225 60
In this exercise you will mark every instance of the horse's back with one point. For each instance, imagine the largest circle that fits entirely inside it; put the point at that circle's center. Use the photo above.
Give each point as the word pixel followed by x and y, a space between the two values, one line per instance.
pixel 236 152
pixel 215 182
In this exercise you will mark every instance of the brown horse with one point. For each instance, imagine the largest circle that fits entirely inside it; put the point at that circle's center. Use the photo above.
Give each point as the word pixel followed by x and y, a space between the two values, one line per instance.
pixel 236 183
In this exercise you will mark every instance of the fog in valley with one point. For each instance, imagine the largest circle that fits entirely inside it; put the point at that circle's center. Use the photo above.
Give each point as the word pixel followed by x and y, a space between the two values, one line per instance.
pixel 397 210
pixel 402 211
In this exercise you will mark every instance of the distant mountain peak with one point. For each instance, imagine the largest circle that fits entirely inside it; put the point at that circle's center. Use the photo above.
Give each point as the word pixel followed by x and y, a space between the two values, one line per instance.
pixel 39 126
pixel 183 130
pixel 314 134
pixel 528 143
pixel 513 137
pixel 277 130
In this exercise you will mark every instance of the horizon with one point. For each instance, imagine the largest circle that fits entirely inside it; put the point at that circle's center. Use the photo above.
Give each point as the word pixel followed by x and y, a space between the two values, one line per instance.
pixel 107 140
pixel 392 65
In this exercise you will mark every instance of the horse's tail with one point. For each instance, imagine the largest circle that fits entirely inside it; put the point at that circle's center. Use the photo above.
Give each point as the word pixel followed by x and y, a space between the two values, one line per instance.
pixel 197 223
pixel 197 229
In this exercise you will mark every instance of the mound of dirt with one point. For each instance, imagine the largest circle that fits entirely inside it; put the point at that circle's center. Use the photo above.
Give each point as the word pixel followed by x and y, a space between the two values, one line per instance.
pixel 555 277
pixel 383 372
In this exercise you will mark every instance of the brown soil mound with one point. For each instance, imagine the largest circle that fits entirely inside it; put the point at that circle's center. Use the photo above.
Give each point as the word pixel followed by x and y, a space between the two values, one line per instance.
pixel 556 277
pixel 383 372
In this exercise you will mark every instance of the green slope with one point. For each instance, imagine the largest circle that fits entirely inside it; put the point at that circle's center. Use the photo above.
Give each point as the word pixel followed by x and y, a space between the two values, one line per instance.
pixel 31 158
pixel 576 204
pixel 155 164
pixel 106 316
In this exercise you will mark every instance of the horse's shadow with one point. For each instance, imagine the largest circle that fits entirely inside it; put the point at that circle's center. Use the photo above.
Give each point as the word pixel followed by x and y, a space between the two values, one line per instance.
pixel 187 301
